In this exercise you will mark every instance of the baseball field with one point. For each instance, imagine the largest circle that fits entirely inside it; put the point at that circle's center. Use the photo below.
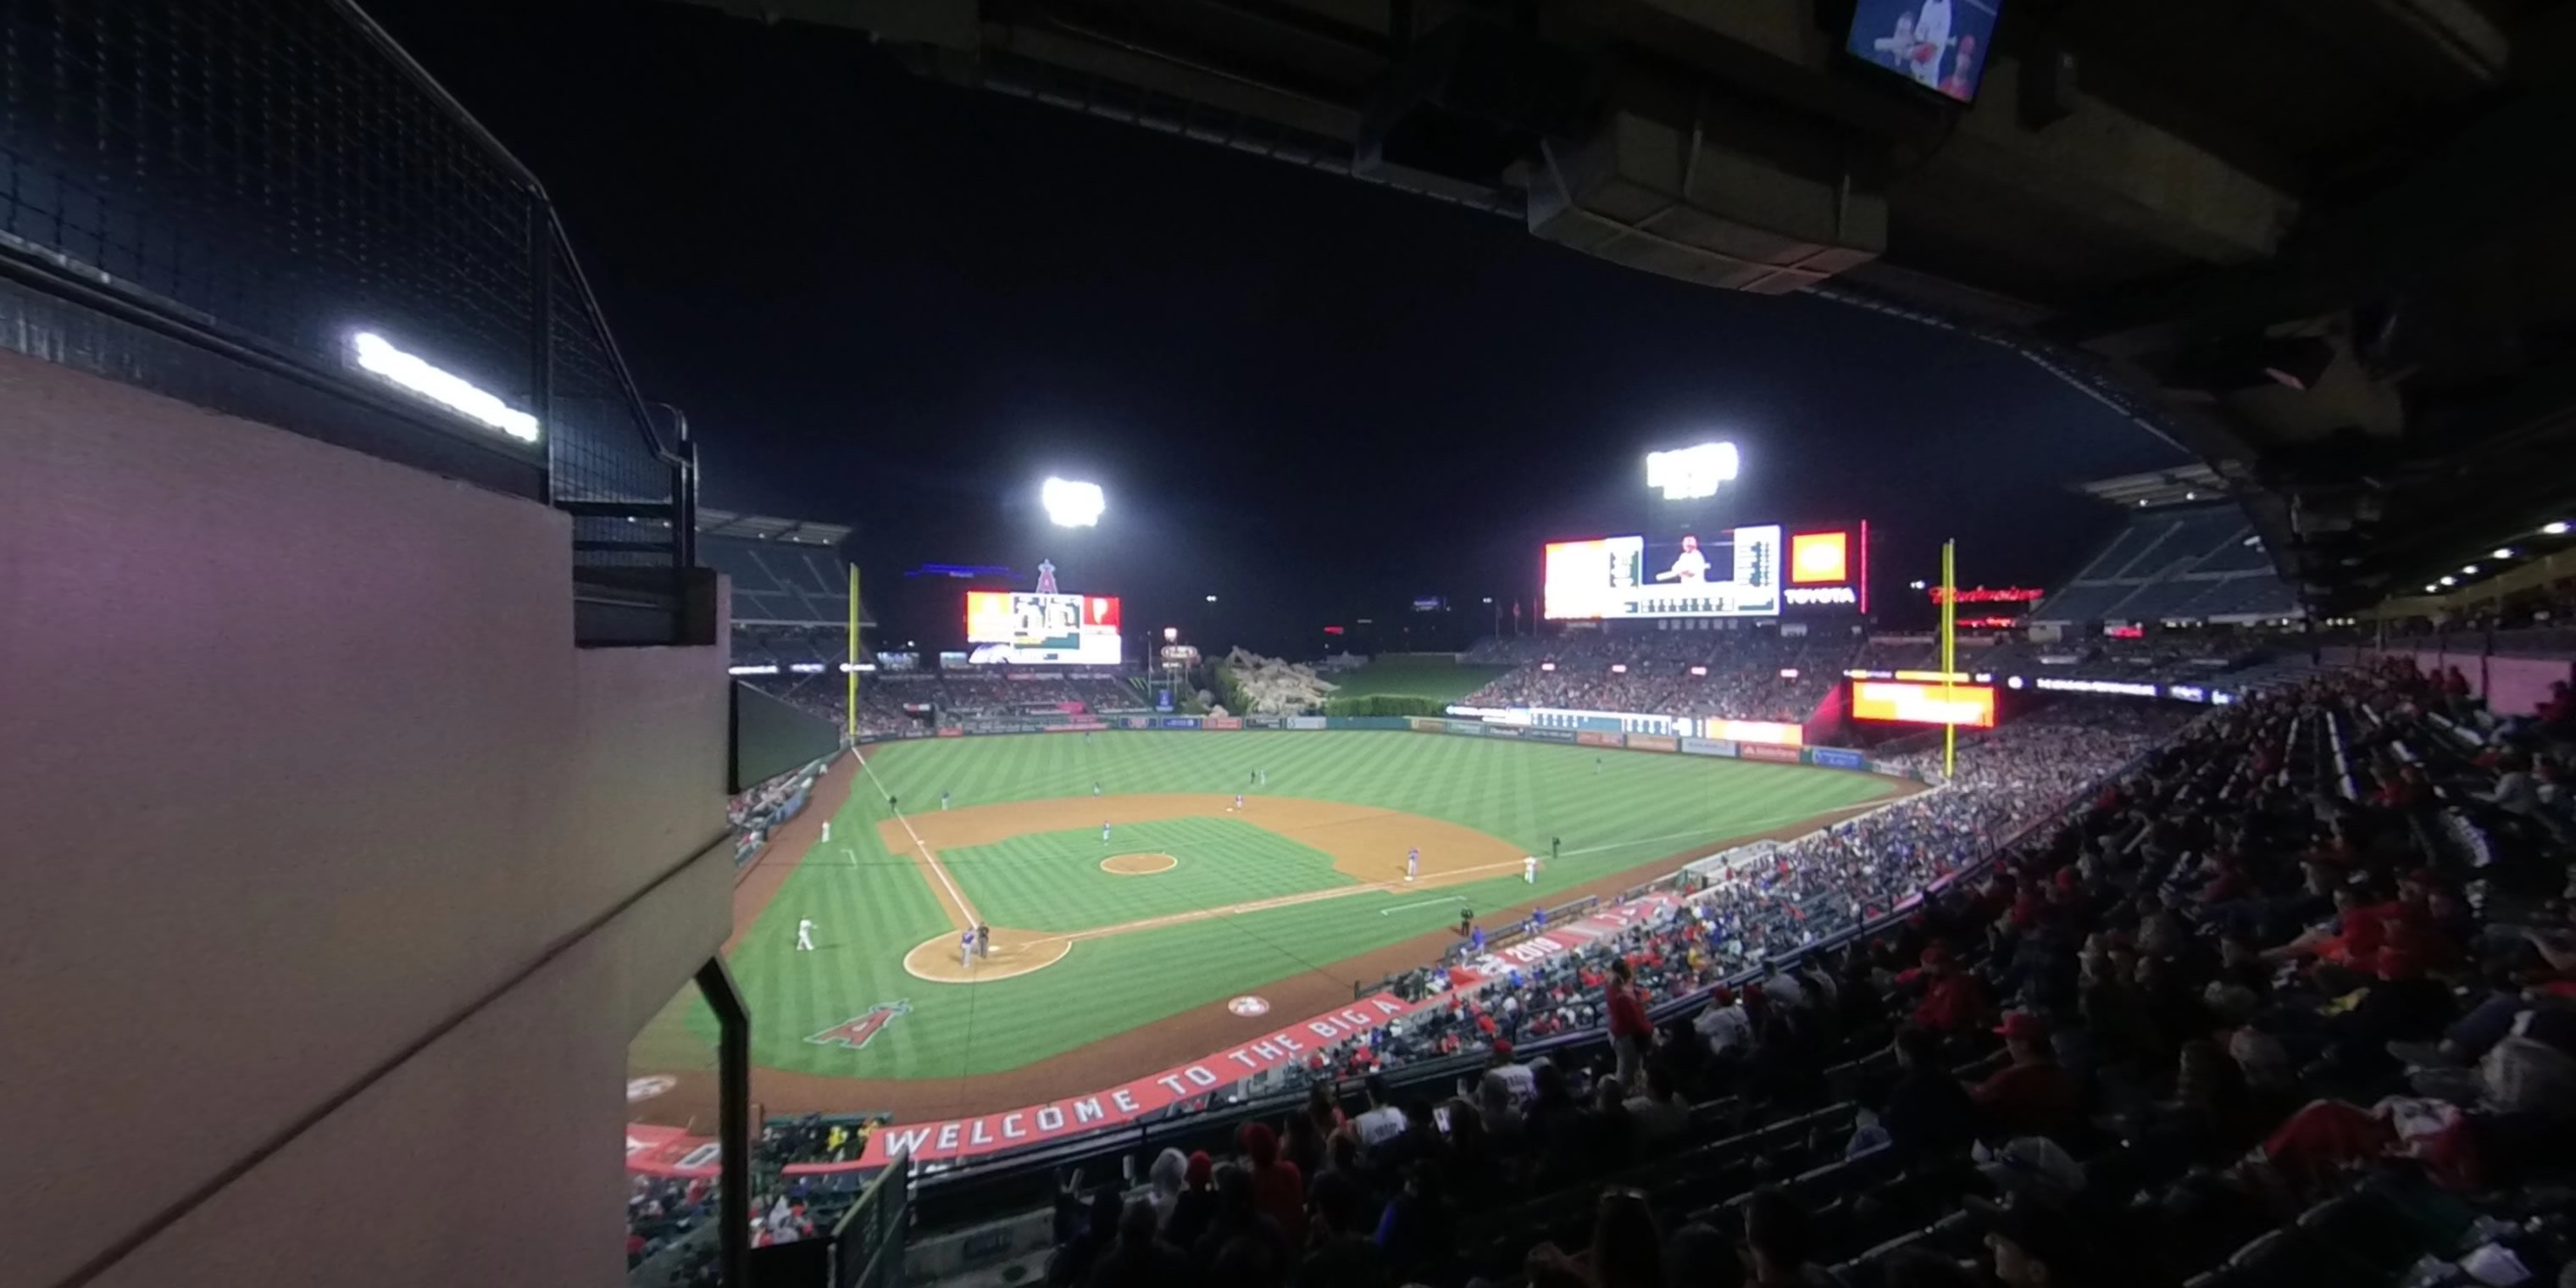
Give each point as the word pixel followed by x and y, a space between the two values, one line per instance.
pixel 1131 900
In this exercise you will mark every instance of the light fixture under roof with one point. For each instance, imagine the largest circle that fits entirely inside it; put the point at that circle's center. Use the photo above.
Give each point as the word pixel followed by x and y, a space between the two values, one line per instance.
pixel 2502 552
pixel 2558 529
pixel 2450 581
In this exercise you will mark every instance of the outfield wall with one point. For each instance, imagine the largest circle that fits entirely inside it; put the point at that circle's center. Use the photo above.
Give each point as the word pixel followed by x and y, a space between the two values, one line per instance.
pixel 1660 739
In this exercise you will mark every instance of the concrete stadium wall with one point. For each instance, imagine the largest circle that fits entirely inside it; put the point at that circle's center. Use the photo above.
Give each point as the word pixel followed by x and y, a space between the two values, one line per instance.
pixel 309 802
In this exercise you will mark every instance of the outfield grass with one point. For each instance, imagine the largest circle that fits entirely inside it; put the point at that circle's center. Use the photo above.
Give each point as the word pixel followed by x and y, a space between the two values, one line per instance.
pixel 1436 678
pixel 1614 810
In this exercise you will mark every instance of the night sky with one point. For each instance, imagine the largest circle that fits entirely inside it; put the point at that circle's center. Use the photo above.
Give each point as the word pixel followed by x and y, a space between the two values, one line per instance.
pixel 897 304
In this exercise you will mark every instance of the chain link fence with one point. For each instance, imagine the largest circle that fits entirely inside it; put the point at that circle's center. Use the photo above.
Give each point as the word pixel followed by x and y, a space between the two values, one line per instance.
pixel 216 198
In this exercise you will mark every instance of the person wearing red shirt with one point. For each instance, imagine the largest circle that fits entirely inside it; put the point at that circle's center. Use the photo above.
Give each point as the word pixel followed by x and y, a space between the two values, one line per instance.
pixel 1629 1029
pixel 1953 1002
pixel 2031 1096
pixel 1277 1188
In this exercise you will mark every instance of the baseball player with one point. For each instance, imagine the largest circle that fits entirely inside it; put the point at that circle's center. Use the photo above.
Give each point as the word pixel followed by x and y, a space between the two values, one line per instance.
pixel 966 950
pixel 1104 831
pixel 827 829
pixel 943 798
pixel 1529 868
pixel 1538 919
pixel 1476 939
pixel 1095 787
pixel 983 940
pixel 805 934
pixel 1412 863
pixel 1261 777
pixel 1555 848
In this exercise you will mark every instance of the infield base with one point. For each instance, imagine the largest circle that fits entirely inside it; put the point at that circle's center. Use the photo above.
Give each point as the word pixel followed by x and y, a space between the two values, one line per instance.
pixel 1015 953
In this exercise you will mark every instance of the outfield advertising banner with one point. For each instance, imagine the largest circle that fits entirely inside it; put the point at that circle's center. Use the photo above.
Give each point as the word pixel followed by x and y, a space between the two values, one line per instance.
pixel 1267 722
pixel 1548 735
pixel 1222 722
pixel 1367 722
pixel 1836 758
pixel 1464 728
pixel 1708 747
pixel 1787 735
pixel 1079 726
pixel 1501 731
pixel 1967 705
pixel 1140 722
pixel 1307 722
pixel 1179 722
pixel 1425 724
pixel 1771 752
pixel 1652 742
pixel 1591 739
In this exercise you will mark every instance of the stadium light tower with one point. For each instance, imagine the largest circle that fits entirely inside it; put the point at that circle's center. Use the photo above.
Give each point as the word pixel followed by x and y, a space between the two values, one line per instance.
pixel 1692 473
pixel 1071 504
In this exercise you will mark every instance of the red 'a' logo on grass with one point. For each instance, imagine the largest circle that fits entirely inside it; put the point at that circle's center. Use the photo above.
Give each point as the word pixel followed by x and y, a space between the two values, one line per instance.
pixel 859 1031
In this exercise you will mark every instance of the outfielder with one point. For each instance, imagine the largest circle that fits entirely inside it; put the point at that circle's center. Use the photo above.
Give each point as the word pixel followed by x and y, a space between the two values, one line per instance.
pixel 1412 863
pixel 827 829
pixel 805 934
pixel 943 798
pixel 1104 831
pixel 1529 868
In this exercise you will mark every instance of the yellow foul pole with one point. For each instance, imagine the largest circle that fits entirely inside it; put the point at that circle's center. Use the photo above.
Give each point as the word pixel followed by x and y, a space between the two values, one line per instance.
pixel 1949 654
pixel 850 697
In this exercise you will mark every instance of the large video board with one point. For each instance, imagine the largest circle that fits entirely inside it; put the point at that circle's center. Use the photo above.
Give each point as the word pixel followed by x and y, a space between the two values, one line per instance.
pixel 1011 627
pixel 1970 706
pixel 1724 572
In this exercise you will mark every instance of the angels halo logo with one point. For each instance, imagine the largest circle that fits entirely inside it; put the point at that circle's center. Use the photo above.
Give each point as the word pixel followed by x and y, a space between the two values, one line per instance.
pixel 1248 1007
pixel 859 1030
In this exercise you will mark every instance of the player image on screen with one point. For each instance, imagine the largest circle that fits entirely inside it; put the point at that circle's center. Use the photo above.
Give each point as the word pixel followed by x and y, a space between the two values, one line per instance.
pixel 1690 567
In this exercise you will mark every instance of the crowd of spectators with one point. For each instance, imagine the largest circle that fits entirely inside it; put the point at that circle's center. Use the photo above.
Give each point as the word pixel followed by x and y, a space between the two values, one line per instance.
pixel 1752 674
pixel 2293 1002
pixel 756 813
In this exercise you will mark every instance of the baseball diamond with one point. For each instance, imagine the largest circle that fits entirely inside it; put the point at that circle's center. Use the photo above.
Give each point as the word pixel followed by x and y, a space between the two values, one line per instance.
pixel 1122 924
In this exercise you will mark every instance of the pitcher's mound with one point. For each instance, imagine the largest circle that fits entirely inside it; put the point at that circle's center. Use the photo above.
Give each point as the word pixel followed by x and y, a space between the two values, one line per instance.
pixel 1138 865
pixel 1015 952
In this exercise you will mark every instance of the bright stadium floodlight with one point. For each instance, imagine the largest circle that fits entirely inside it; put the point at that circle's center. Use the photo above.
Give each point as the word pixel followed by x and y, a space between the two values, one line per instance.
pixel 1692 472
pixel 376 354
pixel 1070 504
pixel 1211 599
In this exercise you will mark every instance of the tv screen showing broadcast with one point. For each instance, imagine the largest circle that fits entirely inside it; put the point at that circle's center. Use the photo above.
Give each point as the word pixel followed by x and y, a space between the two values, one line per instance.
pixel 1969 706
pixel 1719 572
pixel 1940 45
pixel 1012 627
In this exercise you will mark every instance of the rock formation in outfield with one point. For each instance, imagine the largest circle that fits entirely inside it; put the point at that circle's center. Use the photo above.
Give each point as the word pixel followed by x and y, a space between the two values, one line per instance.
pixel 1271 687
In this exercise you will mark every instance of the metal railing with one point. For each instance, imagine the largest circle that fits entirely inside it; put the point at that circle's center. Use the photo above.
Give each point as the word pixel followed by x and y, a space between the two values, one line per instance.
pixel 867 1244
pixel 214 199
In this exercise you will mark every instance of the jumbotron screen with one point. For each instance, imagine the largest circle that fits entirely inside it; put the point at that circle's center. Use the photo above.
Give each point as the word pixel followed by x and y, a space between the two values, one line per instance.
pixel 1007 627
pixel 1723 572
pixel 1970 706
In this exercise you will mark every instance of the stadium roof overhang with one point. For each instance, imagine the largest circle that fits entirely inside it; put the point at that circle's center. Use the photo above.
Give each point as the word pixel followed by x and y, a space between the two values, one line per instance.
pixel 2318 243
pixel 720 523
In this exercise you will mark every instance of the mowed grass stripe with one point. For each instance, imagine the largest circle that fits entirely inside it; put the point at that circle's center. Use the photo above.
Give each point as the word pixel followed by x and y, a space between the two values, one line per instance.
pixel 872 905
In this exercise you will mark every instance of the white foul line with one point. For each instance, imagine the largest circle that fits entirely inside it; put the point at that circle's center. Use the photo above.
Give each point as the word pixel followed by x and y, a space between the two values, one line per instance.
pixel 964 909
pixel 1419 903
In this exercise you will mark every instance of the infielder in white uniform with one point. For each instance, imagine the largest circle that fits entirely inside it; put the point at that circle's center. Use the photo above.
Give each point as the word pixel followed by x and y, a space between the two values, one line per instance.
pixel 805 934
pixel 1529 868
pixel 1104 833
pixel 827 829
pixel 1238 801
pixel 1412 863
